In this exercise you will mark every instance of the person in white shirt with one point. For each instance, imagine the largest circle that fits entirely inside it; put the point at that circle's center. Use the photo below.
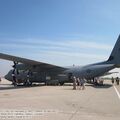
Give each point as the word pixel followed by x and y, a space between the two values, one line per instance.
pixel 74 83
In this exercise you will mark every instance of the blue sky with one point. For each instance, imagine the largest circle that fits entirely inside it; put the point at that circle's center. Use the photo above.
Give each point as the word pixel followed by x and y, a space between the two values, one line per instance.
pixel 61 32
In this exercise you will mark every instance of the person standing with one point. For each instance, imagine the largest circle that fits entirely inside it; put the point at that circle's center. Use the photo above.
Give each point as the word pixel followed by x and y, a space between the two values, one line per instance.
pixel 74 83
pixel 28 77
pixel 82 84
pixel 112 80
pixel 78 83
pixel 117 81
pixel 13 78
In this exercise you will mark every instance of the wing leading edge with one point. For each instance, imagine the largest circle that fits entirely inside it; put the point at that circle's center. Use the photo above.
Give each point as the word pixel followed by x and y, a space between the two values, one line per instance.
pixel 28 61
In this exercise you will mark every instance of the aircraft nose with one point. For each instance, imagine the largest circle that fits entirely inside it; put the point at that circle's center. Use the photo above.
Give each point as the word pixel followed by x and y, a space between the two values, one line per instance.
pixel 6 76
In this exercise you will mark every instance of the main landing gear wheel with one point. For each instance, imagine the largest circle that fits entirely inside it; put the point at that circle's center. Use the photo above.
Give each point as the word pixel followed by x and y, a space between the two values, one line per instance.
pixel 61 83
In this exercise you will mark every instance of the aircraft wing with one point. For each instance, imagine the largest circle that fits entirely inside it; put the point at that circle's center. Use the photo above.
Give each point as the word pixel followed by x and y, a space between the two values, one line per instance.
pixel 28 61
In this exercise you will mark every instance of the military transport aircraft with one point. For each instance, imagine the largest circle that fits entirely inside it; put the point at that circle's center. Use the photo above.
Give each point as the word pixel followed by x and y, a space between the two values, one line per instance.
pixel 42 72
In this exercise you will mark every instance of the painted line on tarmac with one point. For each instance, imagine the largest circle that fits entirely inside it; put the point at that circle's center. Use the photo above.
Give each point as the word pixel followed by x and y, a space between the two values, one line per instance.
pixel 117 92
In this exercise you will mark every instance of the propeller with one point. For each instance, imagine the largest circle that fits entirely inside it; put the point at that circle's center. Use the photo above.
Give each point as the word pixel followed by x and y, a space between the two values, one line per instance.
pixel 30 72
pixel 15 63
pixel 14 66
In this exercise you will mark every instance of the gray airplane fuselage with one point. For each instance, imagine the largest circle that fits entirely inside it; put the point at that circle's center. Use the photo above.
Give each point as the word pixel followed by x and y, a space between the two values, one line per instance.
pixel 88 72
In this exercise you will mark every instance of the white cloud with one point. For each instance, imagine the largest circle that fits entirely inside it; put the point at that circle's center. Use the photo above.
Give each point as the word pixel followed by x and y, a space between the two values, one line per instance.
pixel 94 45
pixel 37 43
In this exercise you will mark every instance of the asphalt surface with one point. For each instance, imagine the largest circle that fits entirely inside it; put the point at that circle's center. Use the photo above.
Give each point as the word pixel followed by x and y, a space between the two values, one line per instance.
pixel 59 102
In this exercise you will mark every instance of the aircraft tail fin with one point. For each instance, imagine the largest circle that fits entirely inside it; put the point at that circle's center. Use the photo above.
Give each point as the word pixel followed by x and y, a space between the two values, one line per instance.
pixel 115 54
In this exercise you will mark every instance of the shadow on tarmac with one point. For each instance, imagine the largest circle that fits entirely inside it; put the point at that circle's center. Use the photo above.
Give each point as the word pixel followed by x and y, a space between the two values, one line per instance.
pixel 93 85
pixel 100 86
pixel 105 86
pixel 10 87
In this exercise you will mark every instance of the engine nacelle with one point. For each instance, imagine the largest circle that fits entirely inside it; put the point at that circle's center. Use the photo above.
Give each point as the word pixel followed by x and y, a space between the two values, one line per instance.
pixel 22 67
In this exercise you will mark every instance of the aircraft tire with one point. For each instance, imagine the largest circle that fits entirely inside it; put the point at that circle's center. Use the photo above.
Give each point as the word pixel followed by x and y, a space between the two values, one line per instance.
pixel 61 83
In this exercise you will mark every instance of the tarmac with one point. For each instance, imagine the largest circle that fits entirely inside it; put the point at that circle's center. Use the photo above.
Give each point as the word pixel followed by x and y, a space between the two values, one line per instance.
pixel 59 102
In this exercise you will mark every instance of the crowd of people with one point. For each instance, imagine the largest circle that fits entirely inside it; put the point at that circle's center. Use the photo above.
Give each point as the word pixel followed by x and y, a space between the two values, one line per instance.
pixel 78 83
